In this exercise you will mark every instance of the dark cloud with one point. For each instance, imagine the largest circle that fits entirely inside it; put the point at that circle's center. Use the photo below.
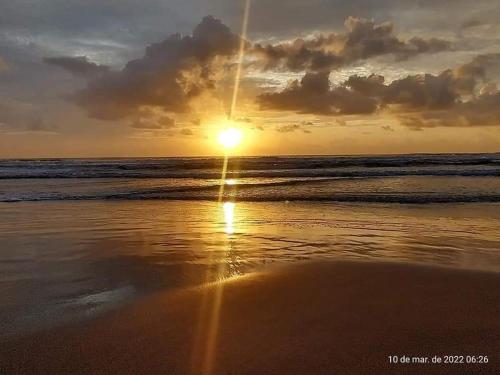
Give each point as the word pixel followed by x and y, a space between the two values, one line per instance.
pixel 445 90
pixel 288 128
pixel 455 97
pixel 312 94
pixel 423 91
pixel 291 17
pixel 127 19
pixel 151 118
pixel 362 40
pixel 168 76
pixel 153 123
pixel 116 20
pixel 186 131
pixel 483 110
pixel 79 66
pixel 372 85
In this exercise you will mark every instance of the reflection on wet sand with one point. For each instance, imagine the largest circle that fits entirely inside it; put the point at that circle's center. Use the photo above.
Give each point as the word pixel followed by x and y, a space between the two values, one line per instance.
pixel 205 342
pixel 51 261
pixel 228 208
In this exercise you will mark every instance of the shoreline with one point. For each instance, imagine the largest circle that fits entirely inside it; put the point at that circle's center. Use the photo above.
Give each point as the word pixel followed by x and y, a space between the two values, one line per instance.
pixel 324 317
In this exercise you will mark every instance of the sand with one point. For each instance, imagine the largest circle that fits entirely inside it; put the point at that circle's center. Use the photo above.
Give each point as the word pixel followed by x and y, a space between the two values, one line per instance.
pixel 311 318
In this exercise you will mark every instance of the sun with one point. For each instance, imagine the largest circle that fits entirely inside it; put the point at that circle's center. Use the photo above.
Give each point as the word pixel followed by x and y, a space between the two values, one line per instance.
pixel 230 137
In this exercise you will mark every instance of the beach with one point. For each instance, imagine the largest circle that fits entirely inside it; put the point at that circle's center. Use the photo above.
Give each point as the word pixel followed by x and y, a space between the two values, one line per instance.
pixel 305 265
pixel 314 318
pixel 63 261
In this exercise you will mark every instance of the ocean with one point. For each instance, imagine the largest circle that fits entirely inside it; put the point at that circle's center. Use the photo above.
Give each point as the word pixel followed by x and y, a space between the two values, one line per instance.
pixel 397 179
pixel 79 237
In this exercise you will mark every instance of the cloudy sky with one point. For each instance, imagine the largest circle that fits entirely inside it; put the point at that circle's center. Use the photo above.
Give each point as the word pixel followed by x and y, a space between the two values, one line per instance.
pixel 86 78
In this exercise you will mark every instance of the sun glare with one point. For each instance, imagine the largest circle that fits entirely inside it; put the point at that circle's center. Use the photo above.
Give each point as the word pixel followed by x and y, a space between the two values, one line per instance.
pixel 230 137
pixel 229 217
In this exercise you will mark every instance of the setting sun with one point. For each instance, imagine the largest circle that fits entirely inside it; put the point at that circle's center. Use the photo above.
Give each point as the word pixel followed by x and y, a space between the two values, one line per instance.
pixel 230 137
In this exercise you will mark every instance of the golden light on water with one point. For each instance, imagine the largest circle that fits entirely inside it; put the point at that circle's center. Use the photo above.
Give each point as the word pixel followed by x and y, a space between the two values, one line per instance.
pixel 230 138
pixel 229 217
pixel 205 344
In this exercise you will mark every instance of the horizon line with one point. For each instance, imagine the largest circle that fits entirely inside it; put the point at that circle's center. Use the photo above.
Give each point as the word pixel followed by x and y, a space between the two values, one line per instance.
pixel 249 156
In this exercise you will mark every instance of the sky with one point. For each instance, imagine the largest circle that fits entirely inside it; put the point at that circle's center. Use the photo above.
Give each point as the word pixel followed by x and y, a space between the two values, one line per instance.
pixel 88 78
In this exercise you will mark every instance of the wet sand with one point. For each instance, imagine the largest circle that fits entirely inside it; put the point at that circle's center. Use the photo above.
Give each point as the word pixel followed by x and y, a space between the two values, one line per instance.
pixel 312 318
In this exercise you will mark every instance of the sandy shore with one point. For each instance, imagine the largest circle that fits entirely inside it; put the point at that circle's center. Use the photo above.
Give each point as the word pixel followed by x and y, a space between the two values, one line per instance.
pixel 315 318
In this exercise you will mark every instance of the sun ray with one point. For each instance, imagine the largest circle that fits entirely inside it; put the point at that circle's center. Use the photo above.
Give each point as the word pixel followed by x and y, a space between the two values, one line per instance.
pixel 241 56
pixel 212 299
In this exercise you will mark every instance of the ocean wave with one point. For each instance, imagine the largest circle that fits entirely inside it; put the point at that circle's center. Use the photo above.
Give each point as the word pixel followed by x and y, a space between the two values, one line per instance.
pixel 347 198
pixel 250 174
pixel 397 179
pixel 451 164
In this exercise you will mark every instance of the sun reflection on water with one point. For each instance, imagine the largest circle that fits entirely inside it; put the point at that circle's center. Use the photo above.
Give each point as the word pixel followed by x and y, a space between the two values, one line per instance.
pixel 228 208
pixel 227 265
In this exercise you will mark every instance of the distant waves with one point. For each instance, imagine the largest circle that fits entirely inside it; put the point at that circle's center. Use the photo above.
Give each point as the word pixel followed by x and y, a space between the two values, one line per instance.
pixel 389 179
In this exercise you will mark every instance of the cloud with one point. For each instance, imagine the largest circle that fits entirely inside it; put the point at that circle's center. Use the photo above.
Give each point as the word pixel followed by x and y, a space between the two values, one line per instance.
pixel 127 19
pixel 483 110
pixel 288 128
pixel 152 118
pixel 463 96
pixel 450 88
pixel 163 122
pixel 312 94
pixel 169 75
pixel 362 40
pixel 186 131
pixel 79 66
